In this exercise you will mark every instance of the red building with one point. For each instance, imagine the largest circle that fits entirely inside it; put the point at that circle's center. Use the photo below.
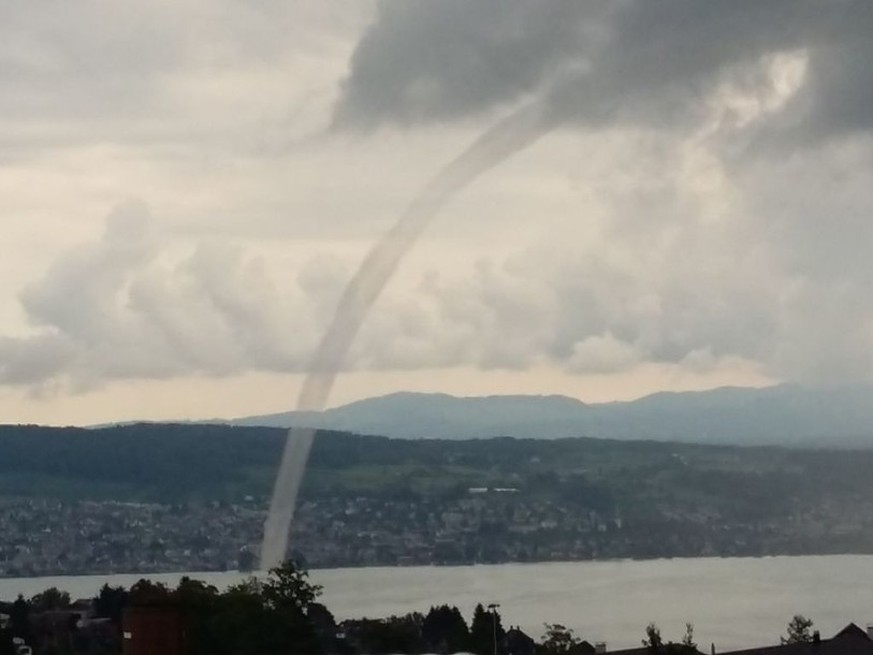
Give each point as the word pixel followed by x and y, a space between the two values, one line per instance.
pixel 152 631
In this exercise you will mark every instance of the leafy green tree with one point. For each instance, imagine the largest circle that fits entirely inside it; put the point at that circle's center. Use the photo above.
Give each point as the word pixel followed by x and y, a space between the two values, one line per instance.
pixel 287 585
pixel 288 594
pixel 799 630
pixel 267 618
pixel 557 639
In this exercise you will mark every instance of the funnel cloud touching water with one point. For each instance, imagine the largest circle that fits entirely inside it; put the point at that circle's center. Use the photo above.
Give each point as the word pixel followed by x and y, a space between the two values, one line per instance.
pixel 511 134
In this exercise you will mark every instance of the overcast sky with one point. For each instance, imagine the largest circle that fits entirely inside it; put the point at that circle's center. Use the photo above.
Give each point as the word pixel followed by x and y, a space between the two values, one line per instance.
pixel 188 186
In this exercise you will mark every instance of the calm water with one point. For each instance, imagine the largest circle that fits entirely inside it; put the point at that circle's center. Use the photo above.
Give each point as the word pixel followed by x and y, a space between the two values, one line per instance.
pixel 732 602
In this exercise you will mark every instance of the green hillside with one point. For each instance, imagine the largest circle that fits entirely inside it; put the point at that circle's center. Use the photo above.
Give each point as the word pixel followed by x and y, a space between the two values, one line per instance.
pixel 180 463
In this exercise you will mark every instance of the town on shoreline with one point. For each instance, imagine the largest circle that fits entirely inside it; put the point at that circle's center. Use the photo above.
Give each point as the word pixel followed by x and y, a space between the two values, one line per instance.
pixel 124 500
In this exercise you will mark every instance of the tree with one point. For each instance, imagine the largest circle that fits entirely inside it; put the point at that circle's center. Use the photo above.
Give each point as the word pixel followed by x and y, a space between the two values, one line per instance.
pixel 485 630
pixel 324 624
pixel 444 630
pixel 558 639
pixel 50 599
pixel 653 640
pixel 248 588
pixel 688 638
pixel 288 595
pixel 273 617
pixel 287 585
pixel 20 619
pixel 799 630
pixel 110 603
pixel 242 622
pixel 198 603
pixel 396 634
pixel 148 593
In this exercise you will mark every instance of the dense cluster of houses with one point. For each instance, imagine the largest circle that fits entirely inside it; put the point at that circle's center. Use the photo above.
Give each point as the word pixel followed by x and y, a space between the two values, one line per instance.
pixel 41 537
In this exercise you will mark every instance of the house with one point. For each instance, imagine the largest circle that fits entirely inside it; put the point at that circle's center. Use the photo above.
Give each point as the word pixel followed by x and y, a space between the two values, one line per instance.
pixel 517 642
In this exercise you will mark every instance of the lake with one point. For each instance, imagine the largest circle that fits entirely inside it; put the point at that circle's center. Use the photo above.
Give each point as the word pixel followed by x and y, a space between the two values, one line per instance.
pixel 732 602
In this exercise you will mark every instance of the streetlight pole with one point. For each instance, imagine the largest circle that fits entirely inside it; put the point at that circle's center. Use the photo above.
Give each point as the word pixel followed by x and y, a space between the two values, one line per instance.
pixel 492 607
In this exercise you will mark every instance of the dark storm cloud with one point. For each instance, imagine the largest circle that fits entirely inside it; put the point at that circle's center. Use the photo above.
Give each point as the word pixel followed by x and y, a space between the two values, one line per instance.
pixel 838 96
pixel 651 62
pixel 425 61
pixel 666 65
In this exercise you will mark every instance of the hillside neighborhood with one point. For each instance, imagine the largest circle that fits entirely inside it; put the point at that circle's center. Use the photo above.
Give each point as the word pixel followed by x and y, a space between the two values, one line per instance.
pixel 122 500
pixel 41 537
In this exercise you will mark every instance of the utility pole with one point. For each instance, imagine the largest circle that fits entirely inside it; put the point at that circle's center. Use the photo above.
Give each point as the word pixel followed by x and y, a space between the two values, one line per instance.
pixel 492 607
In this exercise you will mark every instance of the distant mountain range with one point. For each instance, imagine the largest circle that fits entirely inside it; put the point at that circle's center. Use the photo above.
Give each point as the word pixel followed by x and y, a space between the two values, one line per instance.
pixel 779 415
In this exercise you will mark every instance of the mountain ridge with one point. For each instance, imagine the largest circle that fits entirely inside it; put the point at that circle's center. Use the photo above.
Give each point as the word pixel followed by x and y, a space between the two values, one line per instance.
pixel 785 414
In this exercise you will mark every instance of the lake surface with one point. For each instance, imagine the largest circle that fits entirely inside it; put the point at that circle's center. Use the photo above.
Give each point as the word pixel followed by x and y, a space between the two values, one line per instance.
pixel 734 603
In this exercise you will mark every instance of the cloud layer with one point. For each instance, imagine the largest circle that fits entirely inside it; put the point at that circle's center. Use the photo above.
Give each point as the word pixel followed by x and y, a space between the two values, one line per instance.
pixel 124 308
pixel 707 198
pixel 594 63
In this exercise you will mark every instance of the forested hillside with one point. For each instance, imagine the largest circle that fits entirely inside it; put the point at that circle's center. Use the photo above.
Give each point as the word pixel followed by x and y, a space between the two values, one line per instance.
pixel 178 463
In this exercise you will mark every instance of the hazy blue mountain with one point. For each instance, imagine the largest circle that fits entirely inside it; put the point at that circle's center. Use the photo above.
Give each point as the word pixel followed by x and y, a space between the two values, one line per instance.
pixel 785 414
pixel 413 415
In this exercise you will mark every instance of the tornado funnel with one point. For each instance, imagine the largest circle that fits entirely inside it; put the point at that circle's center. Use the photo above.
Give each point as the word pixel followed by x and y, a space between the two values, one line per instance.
pixel 511 134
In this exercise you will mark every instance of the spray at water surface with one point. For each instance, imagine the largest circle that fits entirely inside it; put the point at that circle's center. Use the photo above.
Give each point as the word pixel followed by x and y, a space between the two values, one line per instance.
pixel 508 136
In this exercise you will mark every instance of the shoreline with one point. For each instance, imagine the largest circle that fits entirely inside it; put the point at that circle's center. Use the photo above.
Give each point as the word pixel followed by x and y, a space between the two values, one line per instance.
pixel 748 600
pixel 605 560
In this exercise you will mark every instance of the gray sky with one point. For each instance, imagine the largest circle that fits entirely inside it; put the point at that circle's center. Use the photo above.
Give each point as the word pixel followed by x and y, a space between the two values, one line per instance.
pixel 188 186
